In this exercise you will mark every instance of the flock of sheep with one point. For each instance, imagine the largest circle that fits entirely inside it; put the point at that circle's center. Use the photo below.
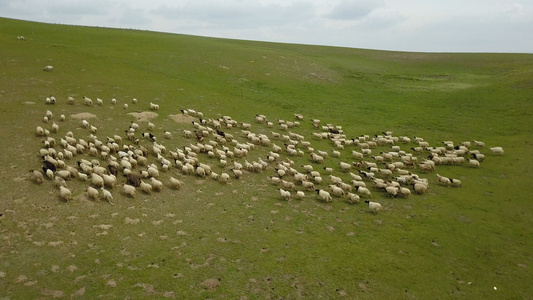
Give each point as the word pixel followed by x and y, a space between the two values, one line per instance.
pixel 330 163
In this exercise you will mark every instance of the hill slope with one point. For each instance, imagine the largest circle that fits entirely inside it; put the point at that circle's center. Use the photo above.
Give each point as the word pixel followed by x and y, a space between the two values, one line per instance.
pixel 240 239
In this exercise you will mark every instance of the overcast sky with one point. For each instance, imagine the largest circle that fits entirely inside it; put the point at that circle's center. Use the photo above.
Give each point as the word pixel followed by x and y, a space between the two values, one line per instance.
pixel 405 25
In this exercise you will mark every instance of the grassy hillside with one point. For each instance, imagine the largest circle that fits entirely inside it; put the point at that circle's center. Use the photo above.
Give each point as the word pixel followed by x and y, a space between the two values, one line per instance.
pixel 211 240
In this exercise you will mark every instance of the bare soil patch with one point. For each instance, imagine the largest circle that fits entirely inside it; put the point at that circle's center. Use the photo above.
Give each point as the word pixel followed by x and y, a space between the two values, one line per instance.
pixel 83 115
pixel 180 118
pixel 144 116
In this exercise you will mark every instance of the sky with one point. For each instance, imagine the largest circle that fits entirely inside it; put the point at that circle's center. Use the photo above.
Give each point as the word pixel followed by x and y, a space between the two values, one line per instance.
pixel 399 25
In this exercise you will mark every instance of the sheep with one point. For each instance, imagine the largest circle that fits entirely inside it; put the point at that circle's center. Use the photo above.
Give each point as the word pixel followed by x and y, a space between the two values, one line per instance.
pixel 478 156
pixel 420 187
pixel 285 195
pixel 92 193
pixel 134 100
pixel 146 187
pixel 133 179
pixel 224 177
pixel 109 180
pixel 317 158
pixel 324 195
pixel 65 193
pixel 167 135
pixel 300 194
pixel 455 182
pixel 374 206
pixel 352 198
pixel 88 101
pixel 99 101
pixel 70 100
pixel 443 180
pixel 156 184
pixel 154 106
pixel 392 191
pixel 337 191
pixel 39 131
pixel 129 190
pixel 175 183
pixel 496 150
pixel 37 176
pixel 107 196
pixel 125 106
pixel 363 191
pixel 345 166
pixel 473 163
pixel 62 118
pixel 48 68
pixel 479 144
pixel 404 192
pixel 113 101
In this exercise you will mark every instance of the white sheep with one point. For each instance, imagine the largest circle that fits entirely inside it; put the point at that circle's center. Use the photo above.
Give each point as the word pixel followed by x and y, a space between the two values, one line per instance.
pixel 70 100
pixel 497 150
pixel 107 196
pixel 88 101
pixel 134 100
pixel 129 190
pixel 363 191
pixel 146 187
pixel 335 190
pixel 125 106
pixel 286 195
pixel 65 193
pixel 175 183
pixel 224 177
pixel 300 194
pixel 99 101
pixel 92 193
pixel 97 180
pixel 48 68
pixel 37 176
pixel 324 195
pixel 156 184
pixel 154 106
pixel 374 206
pixel 353 198
pixel 474 163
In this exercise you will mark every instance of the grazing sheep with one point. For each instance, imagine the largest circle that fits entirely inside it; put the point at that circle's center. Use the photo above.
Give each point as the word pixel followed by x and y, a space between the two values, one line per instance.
pixel 363 191
pixel 335 190
pixel 443 180
pixel 324 195
pixel 88 101
pixel 420 187
pixel 99 101
pixel 107 196
pixel 156 184
pixel 224 177
pixel 286 195
pixel 70 100
pixel 345 166
pixel 353 198
pixel 113 101
pixel 48 68
pixel 65 193
pixel 154 106
pixel 455 182
pixel 92 193
pixel 37 176
pixel 497 150
pixel 146 187
pixel 374 206
pixel 473 163
pixel 300 194
pixel 175 183
pixel 129 190
pixel 125 106
pixel 133 179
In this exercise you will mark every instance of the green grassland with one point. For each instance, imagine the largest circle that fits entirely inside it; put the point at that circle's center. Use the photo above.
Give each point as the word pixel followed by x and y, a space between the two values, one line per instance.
pixel 241 240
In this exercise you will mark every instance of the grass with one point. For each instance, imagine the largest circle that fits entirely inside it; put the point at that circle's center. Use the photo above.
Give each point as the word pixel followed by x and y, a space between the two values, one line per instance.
pixel 226 241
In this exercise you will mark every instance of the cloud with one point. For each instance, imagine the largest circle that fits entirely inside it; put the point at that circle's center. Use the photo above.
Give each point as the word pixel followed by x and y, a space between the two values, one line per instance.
pixel 353 9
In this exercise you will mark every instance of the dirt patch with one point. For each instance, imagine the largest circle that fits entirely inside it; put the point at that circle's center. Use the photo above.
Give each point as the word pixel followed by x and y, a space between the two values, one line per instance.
pixel 83 115
pixel 211 283
pixel 180 118
pixel 144 116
